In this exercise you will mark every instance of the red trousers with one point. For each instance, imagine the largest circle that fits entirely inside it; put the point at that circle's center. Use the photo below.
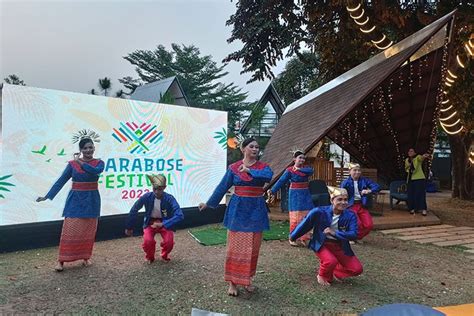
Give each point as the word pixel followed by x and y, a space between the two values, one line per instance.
pixel 149 243
pixel 364 220
pixel 334 263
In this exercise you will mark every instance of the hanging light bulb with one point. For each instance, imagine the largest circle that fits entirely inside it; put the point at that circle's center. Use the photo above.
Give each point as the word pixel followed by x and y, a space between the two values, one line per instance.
pixel 460 62
pixel 451 116
pixel 385 47
pixel 452 74
pixel 367 31
pixel 362 23
pixel 379 41
pixel 354 9
pixel 447 109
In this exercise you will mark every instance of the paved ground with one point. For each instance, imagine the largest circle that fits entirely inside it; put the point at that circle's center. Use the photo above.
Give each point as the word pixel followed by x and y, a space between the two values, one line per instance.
pixel 439 235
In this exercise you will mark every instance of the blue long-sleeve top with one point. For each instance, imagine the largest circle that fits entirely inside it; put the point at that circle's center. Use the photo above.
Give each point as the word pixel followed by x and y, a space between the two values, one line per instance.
pixel 171 212
pixel 318 219
pixel 299 199
pixel 244 213
pixel 80 203
pixel 362 184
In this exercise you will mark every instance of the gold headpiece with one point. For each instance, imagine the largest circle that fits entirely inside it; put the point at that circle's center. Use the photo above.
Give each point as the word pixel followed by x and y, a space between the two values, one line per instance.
pixel 335 191
pixel 296 150
pixel 353 165
pixel 158 180
pixel 85 133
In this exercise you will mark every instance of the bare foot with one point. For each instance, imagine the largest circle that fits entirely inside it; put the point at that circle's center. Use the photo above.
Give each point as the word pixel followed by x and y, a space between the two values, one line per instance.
pixel 250 288
pixel 87 262
pixel 293 243
pixel 59 267
pixel 165 259
pixel 232 291
pixel 302 243
pixel 322 281
pixel 148 261
pixel 337 279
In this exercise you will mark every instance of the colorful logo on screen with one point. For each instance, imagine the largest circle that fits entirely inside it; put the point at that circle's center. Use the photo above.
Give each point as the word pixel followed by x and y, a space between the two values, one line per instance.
pixel 139 138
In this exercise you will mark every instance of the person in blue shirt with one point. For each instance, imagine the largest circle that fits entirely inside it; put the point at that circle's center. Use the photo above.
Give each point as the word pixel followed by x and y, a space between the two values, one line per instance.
pixel 246 216
pixel 333 227
pixel 82 208
pixel 162 213
pixel 299 197
pixel 359 188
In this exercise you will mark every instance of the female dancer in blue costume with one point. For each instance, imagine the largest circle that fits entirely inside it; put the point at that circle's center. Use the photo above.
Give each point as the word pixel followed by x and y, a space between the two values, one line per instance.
pixel 299 197
pixel 246 215
pixel 82 207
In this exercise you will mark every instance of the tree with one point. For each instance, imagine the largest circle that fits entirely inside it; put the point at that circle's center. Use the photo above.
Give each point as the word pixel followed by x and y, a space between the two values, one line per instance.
pixel 268 29
pixel 300 77
pixel 199 76
pixel 105 84
pixel 14 79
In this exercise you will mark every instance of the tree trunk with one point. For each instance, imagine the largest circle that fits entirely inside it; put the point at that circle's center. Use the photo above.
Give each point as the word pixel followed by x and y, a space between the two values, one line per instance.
pixel 462 170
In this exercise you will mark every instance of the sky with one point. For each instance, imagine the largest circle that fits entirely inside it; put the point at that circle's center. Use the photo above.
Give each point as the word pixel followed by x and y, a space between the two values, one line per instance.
pixel 69 45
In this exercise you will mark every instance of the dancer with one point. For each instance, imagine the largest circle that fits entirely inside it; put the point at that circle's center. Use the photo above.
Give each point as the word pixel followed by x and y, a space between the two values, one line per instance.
pixel 82 207
pixel 299 197
pixel 162 213
pixel 359 188
pixel 246 215
pixel 333 226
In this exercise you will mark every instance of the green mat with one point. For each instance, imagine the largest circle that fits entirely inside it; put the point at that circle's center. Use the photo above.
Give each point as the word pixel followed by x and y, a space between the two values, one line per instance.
pixel 212 236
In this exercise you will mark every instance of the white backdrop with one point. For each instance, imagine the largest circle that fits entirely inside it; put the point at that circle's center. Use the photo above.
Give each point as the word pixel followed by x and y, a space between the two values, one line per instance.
pixel 187 145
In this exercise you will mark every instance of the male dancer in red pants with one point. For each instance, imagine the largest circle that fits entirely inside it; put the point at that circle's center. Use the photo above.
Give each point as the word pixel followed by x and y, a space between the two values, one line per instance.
pixel 162 213
pixel 333 227
pixel 359 188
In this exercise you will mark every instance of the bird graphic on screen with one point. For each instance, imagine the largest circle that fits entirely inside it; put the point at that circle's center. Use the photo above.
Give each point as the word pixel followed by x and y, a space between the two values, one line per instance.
pixel 61 153
pixel 40 152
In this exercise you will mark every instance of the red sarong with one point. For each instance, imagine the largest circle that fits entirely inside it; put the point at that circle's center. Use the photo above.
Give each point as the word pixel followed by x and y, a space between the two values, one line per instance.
pixel 295 218
pixel 77 239
pixel 242 256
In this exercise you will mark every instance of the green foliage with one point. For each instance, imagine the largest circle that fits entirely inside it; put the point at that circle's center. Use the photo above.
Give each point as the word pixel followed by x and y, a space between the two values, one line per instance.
pixel 14 79
pixel 300 77
pixel 167 98
pixel 105 84
pixel 199 76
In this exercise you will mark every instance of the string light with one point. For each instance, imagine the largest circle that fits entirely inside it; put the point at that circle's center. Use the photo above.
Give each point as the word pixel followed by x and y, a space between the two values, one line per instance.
pixel 358 17
pixel 445 101
pixel 384 47
pixel 369 30
pixel 451 116
pixel 447 109
pixel 354 9
pixel 460 62
pixel 452 133
pixel 362 23
pixel 469 50
pixel 449 80
pixel 380 41
pixel 452 75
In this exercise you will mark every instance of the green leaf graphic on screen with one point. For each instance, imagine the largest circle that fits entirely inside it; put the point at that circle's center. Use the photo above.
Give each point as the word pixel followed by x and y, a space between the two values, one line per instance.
pixel 61 153
pixel 40 152
pixel 221 136
pixel 5 184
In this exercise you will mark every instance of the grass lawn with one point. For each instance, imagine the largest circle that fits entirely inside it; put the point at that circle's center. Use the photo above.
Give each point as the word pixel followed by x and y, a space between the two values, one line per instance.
pixel 119 282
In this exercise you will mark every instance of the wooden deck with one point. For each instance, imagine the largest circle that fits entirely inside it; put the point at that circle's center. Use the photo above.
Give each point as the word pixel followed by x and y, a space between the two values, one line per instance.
pixel 396 218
